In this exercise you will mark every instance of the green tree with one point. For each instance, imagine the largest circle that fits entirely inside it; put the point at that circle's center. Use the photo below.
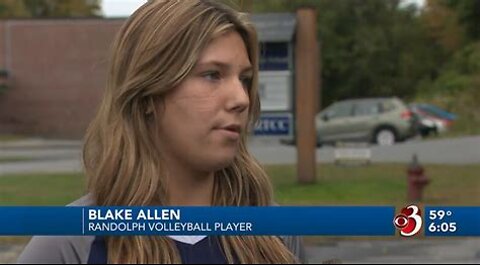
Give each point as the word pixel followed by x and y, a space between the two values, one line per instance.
pixel 368 48
pixel 12 9
pixel 468 16
pixel 49 8
pixel 442 24
pixel 455 27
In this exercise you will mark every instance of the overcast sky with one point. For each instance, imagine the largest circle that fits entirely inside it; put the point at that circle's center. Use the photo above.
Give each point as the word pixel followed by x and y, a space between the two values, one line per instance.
pixel 124 8
pixel 120 8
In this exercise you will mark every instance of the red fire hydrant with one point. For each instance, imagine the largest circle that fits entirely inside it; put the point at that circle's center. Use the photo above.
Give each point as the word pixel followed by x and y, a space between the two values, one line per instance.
pixel 416 180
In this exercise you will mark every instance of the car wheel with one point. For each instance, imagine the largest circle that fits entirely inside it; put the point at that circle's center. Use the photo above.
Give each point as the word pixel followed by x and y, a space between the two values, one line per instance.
pixel 385 137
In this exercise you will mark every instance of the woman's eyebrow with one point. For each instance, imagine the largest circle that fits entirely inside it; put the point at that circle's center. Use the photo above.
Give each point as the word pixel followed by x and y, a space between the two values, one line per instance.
pixel 224 66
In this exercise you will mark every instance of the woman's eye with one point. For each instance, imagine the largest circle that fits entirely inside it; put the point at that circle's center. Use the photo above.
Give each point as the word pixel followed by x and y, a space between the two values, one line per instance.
pixel 211 75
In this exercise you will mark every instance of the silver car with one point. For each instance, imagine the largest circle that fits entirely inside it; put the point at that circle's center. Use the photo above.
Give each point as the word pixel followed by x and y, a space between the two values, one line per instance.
pixel 380 120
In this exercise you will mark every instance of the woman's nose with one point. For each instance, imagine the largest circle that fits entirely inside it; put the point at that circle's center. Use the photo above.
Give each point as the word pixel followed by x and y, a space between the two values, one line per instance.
pixel 237 93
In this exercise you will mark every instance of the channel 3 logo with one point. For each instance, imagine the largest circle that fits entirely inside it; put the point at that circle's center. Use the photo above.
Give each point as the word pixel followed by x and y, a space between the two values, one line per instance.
pixel 409 221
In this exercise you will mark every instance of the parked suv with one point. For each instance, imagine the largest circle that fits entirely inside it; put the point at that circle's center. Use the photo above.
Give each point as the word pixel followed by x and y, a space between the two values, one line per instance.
pixel 379 120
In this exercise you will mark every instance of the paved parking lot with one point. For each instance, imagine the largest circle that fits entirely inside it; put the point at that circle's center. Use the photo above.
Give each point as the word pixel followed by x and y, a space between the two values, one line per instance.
pixel 65 156
pixel 439 250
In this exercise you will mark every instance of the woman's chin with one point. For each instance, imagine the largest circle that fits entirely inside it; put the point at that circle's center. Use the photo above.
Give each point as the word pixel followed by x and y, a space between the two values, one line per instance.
pixel 219 162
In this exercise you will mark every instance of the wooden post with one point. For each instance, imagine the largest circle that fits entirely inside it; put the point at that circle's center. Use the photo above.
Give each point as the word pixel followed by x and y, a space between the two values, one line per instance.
pixel 306 86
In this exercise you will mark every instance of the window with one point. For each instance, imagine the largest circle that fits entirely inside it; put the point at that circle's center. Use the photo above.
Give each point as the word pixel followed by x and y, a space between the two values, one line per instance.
pixel 387 106
pixel 340 110
pixel 366 109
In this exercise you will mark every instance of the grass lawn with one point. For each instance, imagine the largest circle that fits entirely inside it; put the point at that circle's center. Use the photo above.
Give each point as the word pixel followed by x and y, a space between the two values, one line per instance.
pixel 382 184
pixel 41 189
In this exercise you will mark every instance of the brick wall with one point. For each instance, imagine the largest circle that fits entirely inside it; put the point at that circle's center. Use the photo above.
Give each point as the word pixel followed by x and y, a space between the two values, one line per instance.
pixel 57 71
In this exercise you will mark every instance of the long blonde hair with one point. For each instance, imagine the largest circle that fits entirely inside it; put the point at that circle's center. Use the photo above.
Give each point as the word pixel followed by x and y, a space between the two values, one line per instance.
pixel 153 52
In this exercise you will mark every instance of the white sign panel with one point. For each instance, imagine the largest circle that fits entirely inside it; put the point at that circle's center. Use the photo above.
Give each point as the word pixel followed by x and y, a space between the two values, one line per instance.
pixel 352 152
pixel 275 90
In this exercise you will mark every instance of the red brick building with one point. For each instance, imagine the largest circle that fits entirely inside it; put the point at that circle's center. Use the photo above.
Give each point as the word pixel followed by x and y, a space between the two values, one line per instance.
pixel 56 74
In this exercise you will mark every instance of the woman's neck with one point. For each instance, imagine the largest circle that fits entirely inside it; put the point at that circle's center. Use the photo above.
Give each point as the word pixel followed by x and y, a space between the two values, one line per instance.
pixel 186 187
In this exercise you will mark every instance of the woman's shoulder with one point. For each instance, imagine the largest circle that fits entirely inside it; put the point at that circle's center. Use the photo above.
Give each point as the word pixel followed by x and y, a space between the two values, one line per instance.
pixel 57 249
pixel 295 245
pixel 86 200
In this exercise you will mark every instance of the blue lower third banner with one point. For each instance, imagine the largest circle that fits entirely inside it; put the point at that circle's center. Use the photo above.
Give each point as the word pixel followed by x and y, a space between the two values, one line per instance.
pixel 338 221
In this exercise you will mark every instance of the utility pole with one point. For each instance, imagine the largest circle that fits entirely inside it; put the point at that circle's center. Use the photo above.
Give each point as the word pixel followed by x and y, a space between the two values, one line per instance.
pixel 306 85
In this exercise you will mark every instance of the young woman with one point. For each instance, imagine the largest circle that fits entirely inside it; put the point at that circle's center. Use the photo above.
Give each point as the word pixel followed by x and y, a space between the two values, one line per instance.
pixel 171 130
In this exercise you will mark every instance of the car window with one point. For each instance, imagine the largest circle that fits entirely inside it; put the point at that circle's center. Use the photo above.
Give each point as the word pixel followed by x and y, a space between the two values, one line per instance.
pixel 387 106
pixel 366 109
pixel 340 110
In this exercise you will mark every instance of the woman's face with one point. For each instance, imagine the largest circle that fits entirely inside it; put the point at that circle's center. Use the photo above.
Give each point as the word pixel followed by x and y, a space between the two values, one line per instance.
pixel 204 117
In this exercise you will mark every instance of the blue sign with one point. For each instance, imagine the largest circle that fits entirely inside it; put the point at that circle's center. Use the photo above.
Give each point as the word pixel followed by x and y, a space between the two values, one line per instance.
pixel 280 125
pixel 274 56
pixel 344 221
